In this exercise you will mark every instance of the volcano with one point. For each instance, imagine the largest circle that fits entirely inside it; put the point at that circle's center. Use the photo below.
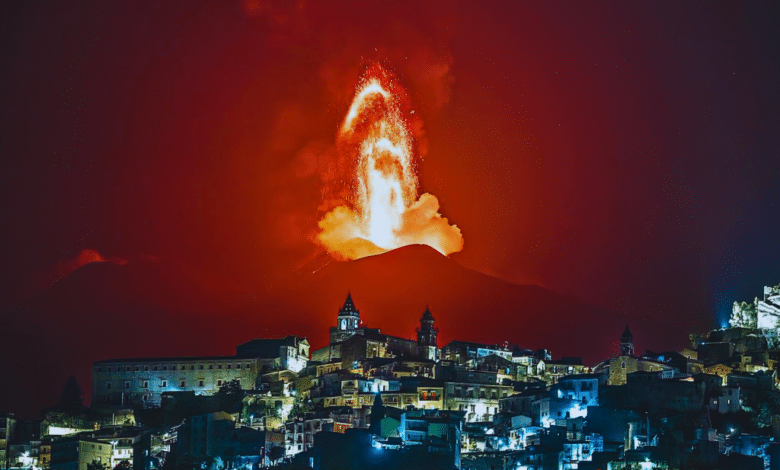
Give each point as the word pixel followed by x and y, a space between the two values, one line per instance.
pixel 392 290
pixel 157 308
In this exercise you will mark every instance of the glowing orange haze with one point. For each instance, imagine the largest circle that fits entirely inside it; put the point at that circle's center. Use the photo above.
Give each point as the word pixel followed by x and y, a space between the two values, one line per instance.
pixel 383 212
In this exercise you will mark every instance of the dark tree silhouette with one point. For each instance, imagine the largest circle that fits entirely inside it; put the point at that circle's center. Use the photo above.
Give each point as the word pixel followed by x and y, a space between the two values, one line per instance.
pixel 71 398
pixel 230 396
pixel 276 453
pixel 124 465
pixel 95 465
pixel 230 388
pixel 377 414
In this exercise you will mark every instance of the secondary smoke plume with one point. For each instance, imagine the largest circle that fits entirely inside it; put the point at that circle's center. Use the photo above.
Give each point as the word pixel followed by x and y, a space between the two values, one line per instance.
pixel 383 211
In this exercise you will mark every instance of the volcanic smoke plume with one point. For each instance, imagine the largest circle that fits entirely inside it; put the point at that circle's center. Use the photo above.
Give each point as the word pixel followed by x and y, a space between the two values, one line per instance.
pixel 383 211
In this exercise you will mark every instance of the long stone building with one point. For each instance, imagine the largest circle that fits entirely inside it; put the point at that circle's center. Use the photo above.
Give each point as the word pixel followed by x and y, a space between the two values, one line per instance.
pixel 141 381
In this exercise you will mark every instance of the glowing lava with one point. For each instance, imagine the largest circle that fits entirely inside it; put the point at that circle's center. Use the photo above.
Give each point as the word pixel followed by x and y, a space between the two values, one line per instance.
pixel 383 212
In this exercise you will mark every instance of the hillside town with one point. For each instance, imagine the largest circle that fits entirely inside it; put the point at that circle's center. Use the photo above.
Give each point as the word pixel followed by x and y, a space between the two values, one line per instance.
pixel 372 400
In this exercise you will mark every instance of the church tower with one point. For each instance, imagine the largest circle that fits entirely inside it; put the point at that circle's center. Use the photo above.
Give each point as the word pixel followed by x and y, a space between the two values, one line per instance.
pixel 427 346
pixel 348 322
pixel 627 343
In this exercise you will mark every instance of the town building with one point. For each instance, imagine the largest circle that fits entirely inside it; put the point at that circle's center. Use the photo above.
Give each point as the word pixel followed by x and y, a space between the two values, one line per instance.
pixel 7 430
pixel 555 369
pixel 461 352
pixel 142 381
pixel 77 452
pixel 768 309
pixel 617 368
pixel 479 401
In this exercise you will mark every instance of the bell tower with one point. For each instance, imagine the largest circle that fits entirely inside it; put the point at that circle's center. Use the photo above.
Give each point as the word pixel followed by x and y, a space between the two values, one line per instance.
pixel 349 316
pixel 348 322
pixel 627 343
pixel 427 346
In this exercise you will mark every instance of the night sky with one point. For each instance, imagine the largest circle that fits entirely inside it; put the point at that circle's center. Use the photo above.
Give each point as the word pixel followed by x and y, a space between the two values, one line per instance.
pixel 622 153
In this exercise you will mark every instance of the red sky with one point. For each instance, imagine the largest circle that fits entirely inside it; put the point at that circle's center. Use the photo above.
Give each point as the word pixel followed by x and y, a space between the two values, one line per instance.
pixel 621 153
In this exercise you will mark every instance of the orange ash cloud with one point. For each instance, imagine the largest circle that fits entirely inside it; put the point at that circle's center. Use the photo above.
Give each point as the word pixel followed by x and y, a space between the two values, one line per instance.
pixel 383 211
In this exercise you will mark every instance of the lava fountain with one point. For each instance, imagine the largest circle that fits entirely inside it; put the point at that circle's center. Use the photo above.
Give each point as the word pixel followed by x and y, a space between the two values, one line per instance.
pixel 383 211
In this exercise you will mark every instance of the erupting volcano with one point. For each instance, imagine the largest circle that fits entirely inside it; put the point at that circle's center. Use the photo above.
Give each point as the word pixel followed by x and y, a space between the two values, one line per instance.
pixel 382 210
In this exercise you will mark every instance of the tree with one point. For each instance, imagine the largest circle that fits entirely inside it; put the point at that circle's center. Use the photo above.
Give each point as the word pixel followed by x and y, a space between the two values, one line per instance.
pixel 763 417
pixel 230 396
pixel 377 415
pixel 95 465
pixel 276 453
pixel 300 407
pixel 744 315
pixel 71 398
pixel 230 388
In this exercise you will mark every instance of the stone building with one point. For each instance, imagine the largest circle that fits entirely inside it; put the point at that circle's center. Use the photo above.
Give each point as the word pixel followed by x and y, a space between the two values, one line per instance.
pixel 359 347
pixel 125 382
pixel 289 353
pixel 616 368
pixel 350 342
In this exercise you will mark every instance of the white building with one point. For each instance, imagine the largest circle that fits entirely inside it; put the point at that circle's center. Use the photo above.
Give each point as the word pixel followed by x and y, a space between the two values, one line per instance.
pixel 582 388
pixel 479 401
pixel 768 310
